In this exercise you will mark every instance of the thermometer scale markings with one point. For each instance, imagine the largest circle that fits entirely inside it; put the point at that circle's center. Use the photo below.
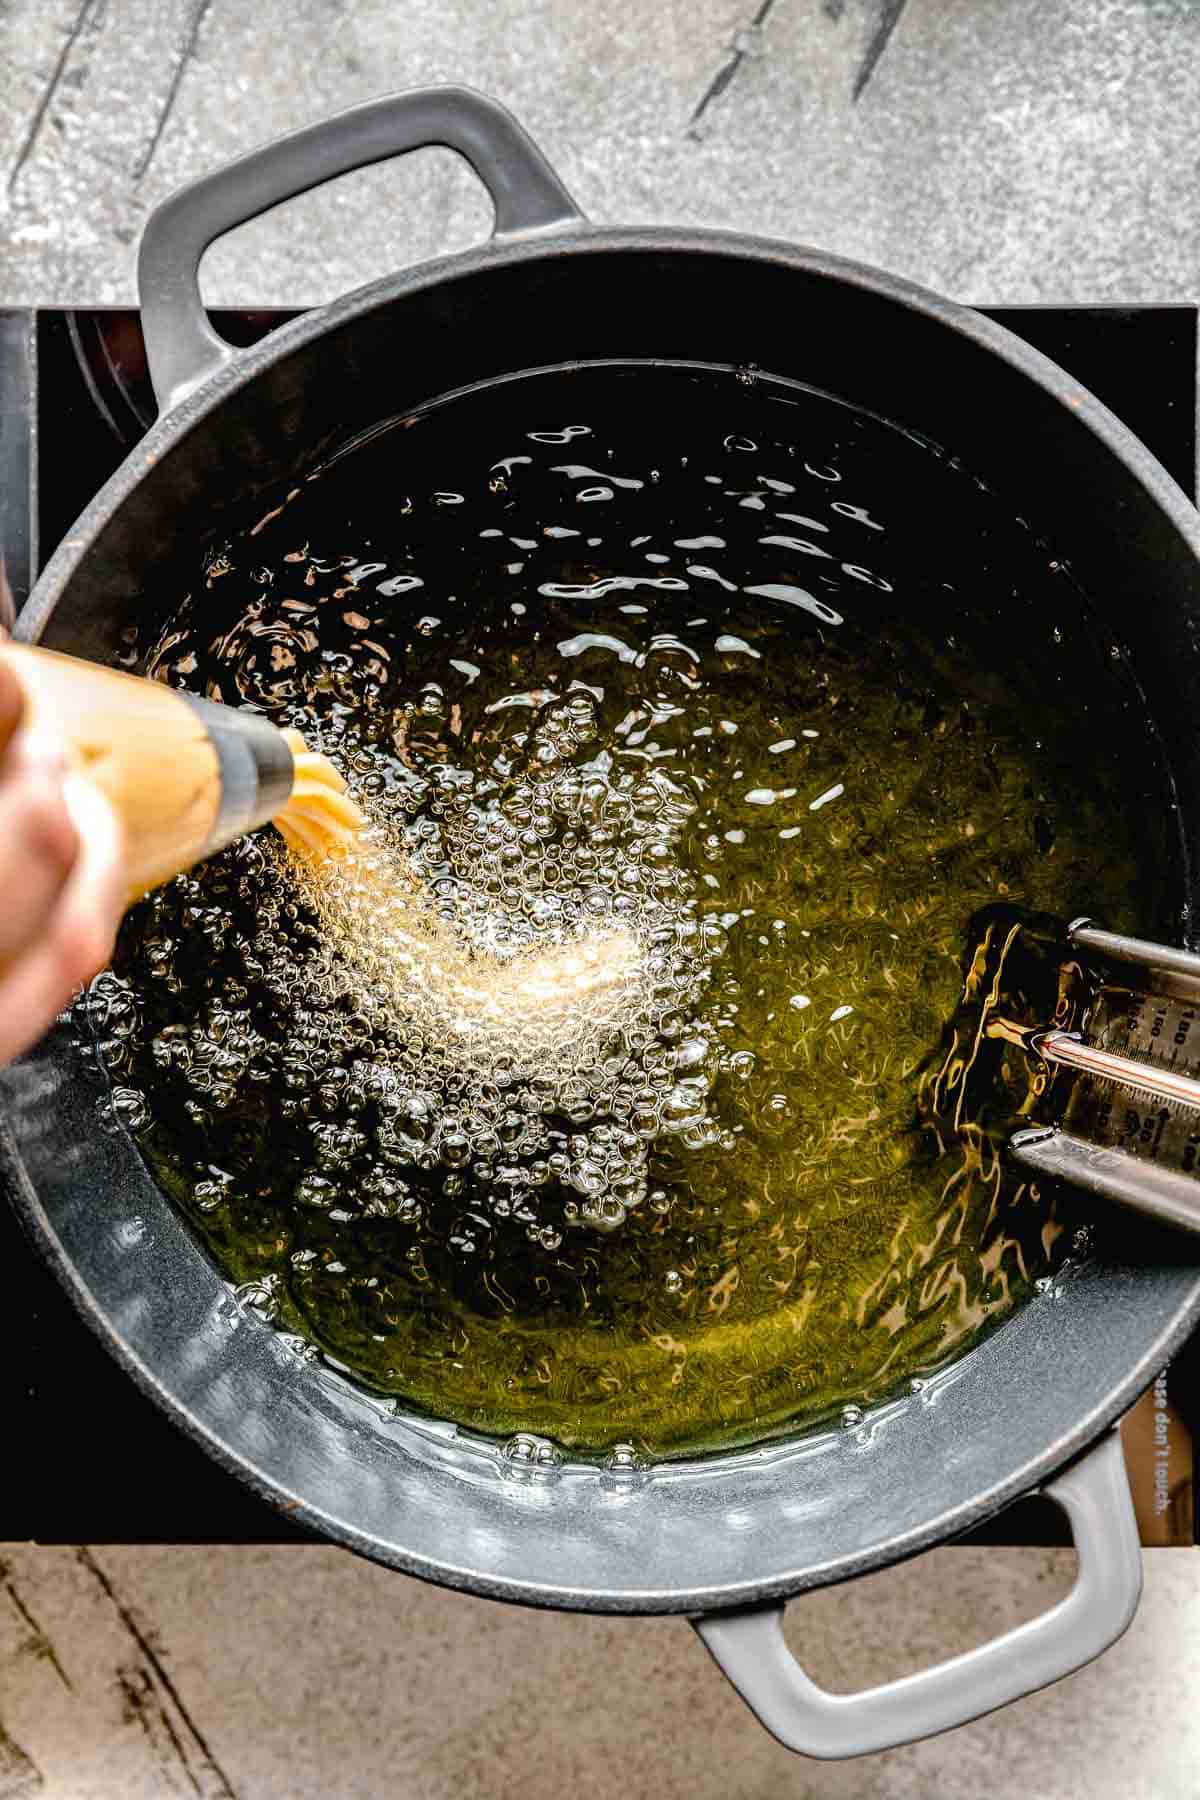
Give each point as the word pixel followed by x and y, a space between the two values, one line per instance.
pixel 1154 1034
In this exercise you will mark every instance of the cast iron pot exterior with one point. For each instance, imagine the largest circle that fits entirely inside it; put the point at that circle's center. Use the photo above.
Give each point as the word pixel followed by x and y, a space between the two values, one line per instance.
pixel 728 1532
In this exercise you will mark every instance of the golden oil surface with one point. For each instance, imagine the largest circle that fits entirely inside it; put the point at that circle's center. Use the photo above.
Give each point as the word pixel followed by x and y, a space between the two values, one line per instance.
pixel 748 679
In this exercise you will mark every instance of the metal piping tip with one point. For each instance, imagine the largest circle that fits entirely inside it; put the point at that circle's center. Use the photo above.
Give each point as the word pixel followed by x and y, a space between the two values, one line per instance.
pixel 256 769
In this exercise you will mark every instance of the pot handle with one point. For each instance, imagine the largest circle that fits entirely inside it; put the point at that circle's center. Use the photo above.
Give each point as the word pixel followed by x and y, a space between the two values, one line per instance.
pixel 1094 1493
pixel 181 345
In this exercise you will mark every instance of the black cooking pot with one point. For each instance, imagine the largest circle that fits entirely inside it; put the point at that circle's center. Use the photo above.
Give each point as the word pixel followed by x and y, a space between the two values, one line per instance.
pixel 729 1538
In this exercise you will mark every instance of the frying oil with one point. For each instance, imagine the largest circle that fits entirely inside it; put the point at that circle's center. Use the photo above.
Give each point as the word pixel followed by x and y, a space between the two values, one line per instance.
pixel 735 704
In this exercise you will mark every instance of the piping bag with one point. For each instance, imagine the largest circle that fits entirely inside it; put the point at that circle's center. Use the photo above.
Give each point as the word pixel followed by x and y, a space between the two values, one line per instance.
pixel 185 776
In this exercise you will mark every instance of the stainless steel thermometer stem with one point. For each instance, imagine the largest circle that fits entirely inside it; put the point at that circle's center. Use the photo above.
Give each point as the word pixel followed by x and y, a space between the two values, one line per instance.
pixel 1158 1080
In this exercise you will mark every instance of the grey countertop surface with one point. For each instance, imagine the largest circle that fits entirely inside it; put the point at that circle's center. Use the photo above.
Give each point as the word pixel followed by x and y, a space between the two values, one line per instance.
pixel 1005 151
pixel 304 1674
pixel 1002 150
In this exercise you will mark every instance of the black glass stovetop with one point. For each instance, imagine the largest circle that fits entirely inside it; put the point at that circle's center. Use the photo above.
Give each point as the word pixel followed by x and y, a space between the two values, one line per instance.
pixel 89 1458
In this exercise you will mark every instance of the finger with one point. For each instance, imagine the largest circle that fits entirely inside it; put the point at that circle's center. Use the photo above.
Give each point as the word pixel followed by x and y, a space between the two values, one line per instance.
pixel 79 934
pixel 39 845
pixel 12 703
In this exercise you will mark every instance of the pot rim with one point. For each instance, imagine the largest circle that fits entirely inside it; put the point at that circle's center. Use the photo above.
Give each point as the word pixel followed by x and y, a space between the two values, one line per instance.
pixel 205 400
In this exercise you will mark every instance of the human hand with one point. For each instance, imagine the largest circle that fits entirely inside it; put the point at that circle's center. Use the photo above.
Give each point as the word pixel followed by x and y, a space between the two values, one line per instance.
pixel 61 885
